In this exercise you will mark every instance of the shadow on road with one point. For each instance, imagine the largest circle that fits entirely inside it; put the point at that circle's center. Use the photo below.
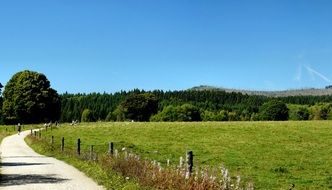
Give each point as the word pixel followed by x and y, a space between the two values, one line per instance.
pixel 3 157
pixel 16 179
pixel 7 164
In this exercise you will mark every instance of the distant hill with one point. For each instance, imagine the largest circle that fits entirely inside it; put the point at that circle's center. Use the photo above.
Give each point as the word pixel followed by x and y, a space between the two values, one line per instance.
pixel 284 93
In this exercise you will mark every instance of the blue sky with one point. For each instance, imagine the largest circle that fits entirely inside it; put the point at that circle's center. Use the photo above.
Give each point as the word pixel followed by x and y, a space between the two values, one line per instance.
pixel 107 45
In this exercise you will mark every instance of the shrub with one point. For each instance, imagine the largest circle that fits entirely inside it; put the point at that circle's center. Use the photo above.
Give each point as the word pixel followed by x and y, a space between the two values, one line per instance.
pixel 274 110
pixel 186 112
pixel 254 117
pixel 215 116
pixel 233 116
pixel 169 113
pixel 110 117
pixel 138 107
pixel 87 116
pixel 320 111
pixel 298 112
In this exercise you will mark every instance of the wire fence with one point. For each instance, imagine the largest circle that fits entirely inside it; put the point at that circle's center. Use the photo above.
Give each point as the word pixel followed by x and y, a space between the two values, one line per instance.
pixel 148 172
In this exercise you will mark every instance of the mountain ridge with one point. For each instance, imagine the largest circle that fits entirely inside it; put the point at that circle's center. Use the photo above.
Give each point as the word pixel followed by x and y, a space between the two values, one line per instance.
pixel 277 93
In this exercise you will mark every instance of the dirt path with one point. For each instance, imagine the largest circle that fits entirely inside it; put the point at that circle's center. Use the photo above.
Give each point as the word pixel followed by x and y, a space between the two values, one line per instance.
pixel 22 168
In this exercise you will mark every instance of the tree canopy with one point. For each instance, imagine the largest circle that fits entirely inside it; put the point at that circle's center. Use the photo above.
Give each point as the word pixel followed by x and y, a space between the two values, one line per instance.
pixel 28 98
pixel 213 105
pixel 274 110
pixel 31 103
pixel 139 107
pixel 185 112
pixel 87 116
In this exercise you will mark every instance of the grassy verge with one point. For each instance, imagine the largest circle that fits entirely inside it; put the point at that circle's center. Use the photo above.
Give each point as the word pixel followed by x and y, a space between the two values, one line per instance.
pixel 274 155
pixel 6 130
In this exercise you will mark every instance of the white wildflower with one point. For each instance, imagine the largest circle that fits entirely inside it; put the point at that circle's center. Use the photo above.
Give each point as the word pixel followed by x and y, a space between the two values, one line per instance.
pixel 187 175
pixel 238 181
pixel 181 162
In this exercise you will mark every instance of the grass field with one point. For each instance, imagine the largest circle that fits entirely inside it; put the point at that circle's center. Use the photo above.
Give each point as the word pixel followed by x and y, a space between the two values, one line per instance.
pixel 6 130
pixel 274 155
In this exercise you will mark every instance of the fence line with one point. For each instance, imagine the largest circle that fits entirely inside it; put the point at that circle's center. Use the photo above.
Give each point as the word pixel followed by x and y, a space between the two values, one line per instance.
pixel 131 164
pixel 111 151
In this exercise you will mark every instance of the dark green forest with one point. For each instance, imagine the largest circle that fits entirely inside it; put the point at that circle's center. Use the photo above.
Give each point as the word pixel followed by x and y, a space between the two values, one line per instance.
pixel 29 98
pixel 212 105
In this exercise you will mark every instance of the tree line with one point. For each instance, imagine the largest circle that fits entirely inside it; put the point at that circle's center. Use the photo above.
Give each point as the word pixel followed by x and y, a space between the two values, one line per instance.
pixel 29 98
pixel 123 104
pixel 187 105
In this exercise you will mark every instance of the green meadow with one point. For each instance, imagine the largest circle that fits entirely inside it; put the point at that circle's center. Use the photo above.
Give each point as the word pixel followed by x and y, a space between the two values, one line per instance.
pixel 6 130
pixel 274 155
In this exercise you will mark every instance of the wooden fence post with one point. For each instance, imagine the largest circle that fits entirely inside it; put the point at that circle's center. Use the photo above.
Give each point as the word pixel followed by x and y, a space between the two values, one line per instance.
pixel 91 152
pixel 52 140
pixel 35 133
pixel 110 148
pixel 79 146
pixel 63 144
pixel 190 158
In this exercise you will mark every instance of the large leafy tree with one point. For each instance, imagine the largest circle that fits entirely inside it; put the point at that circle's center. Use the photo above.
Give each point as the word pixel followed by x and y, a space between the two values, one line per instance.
pixel 28 98
pixel 274 110
pixel 139 107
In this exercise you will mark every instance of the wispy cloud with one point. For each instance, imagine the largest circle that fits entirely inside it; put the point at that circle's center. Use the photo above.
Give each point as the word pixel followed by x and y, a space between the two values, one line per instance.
pixel 320 75
pixel 298 74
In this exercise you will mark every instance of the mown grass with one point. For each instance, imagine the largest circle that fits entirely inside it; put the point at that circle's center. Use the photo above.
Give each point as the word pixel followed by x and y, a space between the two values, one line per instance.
pixel 274 155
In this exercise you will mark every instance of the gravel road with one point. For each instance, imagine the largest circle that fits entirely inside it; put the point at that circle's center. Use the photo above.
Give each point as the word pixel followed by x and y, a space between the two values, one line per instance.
pixel 22 168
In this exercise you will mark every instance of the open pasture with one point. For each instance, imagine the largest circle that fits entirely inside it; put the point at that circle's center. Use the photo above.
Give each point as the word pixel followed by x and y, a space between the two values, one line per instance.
pixel 274 155
pixel 6 130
